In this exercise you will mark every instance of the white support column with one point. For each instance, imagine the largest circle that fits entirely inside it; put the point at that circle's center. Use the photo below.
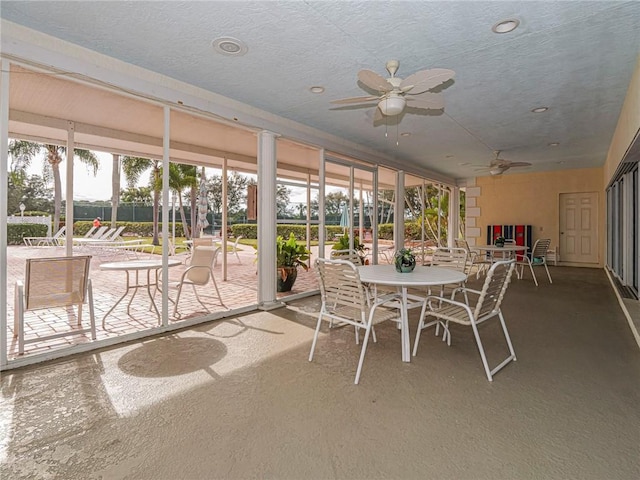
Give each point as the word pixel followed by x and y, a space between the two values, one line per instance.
pixel 309 217
pixel 267 220
pixel 4 154
pixel 398 221
pixel 71 128
pixel 361 215
pixel 322 229
pixel 166 138
pixel 223 228
pixel 454 216
pixel 374 217
pixel 351 205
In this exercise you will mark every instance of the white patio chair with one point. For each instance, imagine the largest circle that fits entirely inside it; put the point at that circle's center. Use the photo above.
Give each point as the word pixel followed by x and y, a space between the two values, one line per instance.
pixel 199 273
pixel 539 256
pixel 234 248
pixel 90 231
pixel 349 255
pixel 51 283
pixel 486 307
pixel 53 241
pixel 344 300
pixel 476 259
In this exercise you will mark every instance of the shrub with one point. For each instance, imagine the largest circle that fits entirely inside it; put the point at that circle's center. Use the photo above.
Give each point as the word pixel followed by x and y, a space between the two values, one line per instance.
pixel 17 231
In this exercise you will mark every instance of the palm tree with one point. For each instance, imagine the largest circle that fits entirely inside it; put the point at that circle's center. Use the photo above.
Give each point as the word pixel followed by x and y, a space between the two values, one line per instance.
pixel 55 154
pixel 133 168
pixel 181 177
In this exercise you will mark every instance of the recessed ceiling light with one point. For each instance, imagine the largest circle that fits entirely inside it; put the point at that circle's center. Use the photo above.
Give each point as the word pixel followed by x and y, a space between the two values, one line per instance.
pixel 316 89
pixel 506 26
pixel 554 144
pixel 540 109
pixel 229 46
pixel 405 134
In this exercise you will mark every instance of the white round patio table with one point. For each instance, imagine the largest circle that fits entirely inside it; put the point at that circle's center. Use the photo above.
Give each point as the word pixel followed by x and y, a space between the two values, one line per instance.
pixel 137 266
pixel 420 277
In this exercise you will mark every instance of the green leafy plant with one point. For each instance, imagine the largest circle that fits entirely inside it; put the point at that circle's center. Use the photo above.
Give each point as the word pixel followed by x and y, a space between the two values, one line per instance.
pixel 343 244
pixel 290 254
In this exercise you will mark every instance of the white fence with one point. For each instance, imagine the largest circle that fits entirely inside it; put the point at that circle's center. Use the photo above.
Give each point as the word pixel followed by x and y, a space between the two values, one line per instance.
pixel 42 220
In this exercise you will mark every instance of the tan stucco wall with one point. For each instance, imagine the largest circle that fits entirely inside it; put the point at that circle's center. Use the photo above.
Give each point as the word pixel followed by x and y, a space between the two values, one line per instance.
pixel 533 199
pixel 628 125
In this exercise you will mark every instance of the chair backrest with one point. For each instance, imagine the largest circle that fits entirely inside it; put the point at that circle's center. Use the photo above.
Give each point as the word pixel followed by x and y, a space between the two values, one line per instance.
pixel 462 243
pixel 494 288
pixel 201 257
pixel 90 231
pixel 56 282
pixel 99 232
pixel 114 234
pixel 235 244
pixel 340 284
pixel 349 255
pixel 102 234
pixel 540 248
pixel 202 242
pixel 454 258
pixel 509 241
pixel 60 232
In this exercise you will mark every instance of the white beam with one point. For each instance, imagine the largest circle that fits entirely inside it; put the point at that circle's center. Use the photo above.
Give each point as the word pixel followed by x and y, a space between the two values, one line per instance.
pixel 4 158
pixel 71 148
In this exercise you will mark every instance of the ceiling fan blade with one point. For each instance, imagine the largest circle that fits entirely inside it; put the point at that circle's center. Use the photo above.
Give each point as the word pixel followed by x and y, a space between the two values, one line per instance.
pixel 344 101
pixel 374 81
pixel 377 116
pixel 425 80
pixel 433 101
pixel 519 164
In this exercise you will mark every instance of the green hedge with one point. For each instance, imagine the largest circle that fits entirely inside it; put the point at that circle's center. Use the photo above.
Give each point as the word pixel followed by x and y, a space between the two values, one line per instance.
pixel 141 229
pixel 250 230
pixel 17 231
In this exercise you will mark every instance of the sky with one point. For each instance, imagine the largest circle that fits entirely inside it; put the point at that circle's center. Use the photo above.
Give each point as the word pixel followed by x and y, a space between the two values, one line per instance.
pixel 87 187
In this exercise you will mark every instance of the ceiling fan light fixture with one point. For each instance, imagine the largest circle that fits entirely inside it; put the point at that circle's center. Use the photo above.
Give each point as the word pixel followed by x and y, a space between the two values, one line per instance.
pixel 506 26
pixel 392 105
pixel 496 171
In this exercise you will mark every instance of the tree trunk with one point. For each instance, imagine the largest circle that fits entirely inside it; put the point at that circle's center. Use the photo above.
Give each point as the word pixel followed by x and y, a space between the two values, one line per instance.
pixel 57 196
pixel 195 226
pixel 183 217
pixel 115 190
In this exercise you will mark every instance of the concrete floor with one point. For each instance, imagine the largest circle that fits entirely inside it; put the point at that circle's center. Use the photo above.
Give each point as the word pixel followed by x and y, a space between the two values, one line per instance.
pixel 237 399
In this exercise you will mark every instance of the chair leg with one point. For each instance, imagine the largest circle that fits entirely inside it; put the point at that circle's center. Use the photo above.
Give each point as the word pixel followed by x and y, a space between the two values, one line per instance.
pixel 481 350
pixel 315 337
pixel 362 352
pixel 548 274
pixel 533 274
pixel 175 308
pixel 92 317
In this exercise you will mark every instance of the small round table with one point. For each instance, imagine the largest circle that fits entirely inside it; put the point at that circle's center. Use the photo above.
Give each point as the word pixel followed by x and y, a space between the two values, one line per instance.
pixel 137 266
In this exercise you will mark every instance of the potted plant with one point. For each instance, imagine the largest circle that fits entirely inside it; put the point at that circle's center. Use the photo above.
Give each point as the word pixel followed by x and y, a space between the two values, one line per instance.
pixel 289 257
pixel 499 241
pixel 404 260
pixel 343 244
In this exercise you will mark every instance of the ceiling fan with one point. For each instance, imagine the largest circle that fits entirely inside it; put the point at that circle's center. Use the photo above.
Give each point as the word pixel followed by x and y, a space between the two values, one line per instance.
pixel 394 93
pixel 499 165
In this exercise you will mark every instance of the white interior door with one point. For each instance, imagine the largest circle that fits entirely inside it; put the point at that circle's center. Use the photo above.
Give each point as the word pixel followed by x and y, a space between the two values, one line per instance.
pixel 579 227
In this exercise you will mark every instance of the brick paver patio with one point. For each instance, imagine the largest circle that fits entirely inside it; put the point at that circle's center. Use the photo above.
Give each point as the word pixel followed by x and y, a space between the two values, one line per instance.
pixel 240 290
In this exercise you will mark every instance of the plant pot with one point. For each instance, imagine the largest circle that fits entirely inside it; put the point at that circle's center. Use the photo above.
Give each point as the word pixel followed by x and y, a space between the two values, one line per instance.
pixel 286 277
pixel 405 263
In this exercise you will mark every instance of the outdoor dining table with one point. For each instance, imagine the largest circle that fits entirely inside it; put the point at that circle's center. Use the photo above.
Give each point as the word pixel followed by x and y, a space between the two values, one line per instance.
pixel 421 276
pixel 508 248
pixel 137 266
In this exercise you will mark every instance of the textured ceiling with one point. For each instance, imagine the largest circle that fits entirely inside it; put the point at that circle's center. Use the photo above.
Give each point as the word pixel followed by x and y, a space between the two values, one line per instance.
pixel 574 57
